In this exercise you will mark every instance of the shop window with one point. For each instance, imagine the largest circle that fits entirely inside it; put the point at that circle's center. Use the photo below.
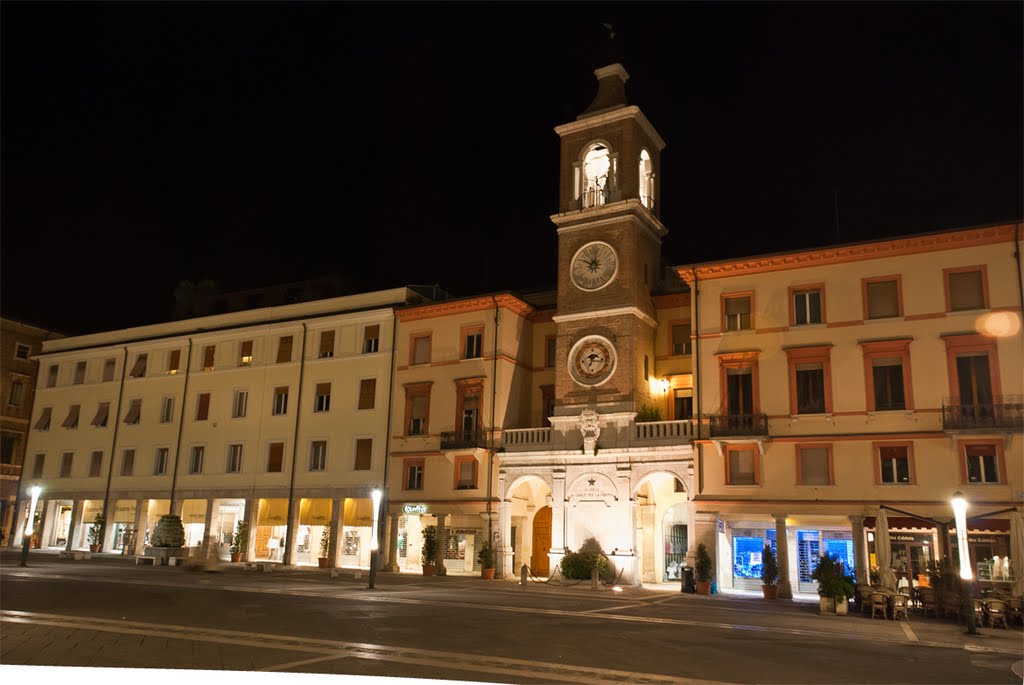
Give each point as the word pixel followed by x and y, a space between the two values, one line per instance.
pixel 741 465
pixel 66 461
pixel 37 466
pixel 128 463
pixel 982 463
pixel 203 406
pixel 364 454
pixel 420 349
pixel 17 393
pixel 275 457
pixel 413 474
pixel 240 404
pixel 371 339
pixel 814 464
pixel 806 306
pixel 417 408
pixel 284 349
pixel 134 413
pixel 748 550
pixel 209 353
pixel 43 422
pixel 326 344
pixel 139 368
pixel 245 353
pixel 367 393
pixel 882 298
pixel 966 289
pixel 681 344
pixel 473 344
pixel 71 420
pixel 51 375
pixel 682 404
pixel 95 464
pixel 465 473
pixel 195 462
pixel 160 461
pixel 280 405
pixel 318 455
pixel 167 410
pixel 79 373
pixel 895 464
pixel 810 380
pixel 109 366
pixel 736 312
pixel 234 464
pixel 21 351
pixel 550 345
pixel 322 399
pixel 102 414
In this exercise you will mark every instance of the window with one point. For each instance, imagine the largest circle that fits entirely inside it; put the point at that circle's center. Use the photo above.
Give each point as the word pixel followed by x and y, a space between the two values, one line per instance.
pixel 421 349
pixel 810 380
pixel 318 455
pixel 108 369
pixel 95 464
pixel 596 176
pixel 139 368
pixel 17 393
pixel 807 306
pixel 102 413
pixel 974 379
pixel 814 464
pixel 894 464
pixel 275 457
pixel 173 362
pixel 465 473
pixel 134 412
pixel 981 464
pixel 417 408
pixel 128 463
pixel 550 345
pixel 234 464
pixel 240 404
pixel 367 393
pixel 71 420
pixel 966 289
pixel 209 353
pixel 647 368
pixel 473 347
pixel 66 460
pixel 21 351
pixel 682 406
pixel 364 454
pixel 882 298
pixel 284 349
pixel 736 312
pixel 371 338
pixel 322 401
pixel 8 443
pixel 646 180
pixel 245 353
pixel 547 404
pixel 43 422
pixel 37 467
pixel 203 406
pixel 741 467
pixel 280 406
pixel 681 339
pixel 160 461
pixel 887 378
pixel 326 344
pixel 51 375
pixel 167 410
pixel 413 474
pixel 887 374
pixel 195 462
pixel 468 392
pixel 79 373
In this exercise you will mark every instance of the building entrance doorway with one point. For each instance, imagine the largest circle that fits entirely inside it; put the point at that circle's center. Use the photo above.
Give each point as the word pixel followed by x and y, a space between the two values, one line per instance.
pixel 539 561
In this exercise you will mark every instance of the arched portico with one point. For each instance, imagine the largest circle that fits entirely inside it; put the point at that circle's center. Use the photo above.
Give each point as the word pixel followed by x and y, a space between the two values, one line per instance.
pixel 525 497
pixel 663 525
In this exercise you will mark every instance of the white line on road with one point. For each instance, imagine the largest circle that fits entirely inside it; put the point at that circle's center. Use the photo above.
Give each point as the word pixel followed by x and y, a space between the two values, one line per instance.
pixel 908 631
pixel 304 662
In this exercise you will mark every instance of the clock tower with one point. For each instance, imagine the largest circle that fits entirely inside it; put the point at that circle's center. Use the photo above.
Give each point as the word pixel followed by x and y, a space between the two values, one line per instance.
pixel 609 253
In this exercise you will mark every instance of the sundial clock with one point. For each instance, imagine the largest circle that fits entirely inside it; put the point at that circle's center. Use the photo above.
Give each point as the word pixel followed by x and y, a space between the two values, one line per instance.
pixel 594 266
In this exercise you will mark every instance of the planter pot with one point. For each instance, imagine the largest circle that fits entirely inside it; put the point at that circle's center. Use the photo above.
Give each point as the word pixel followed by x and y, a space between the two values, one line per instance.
pixel 95 548
pixel 236 557
pixel 770 591
pixel 323 563
pixel 842 606
pixel 487 573
pixel 826 605
pixel 703 588
pixel 428 570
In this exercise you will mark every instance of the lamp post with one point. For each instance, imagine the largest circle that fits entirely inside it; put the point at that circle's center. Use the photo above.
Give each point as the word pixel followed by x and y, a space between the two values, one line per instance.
pixel 374 543
pixel 30 525
pixel 959 503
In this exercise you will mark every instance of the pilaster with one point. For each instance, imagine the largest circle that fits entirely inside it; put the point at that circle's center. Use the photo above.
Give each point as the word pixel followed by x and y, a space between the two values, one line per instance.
pixel 782 556
pixel 442 543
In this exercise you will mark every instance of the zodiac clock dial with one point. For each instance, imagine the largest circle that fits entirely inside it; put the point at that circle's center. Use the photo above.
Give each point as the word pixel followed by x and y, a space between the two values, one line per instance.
pixel 592 360
pixel 594 266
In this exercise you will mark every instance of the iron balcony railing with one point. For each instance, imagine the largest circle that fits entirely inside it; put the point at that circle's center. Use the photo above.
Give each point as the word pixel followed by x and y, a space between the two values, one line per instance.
pixel 457 440
pixel 730 425
pixel 1004 412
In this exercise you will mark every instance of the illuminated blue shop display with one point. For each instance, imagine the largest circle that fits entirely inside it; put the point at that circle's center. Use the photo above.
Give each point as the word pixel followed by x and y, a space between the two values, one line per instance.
pixel 747 553
pixel 811 544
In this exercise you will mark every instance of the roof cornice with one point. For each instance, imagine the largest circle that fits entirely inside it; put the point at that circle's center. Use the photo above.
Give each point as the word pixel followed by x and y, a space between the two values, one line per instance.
pixel 472 304
pixel 610 117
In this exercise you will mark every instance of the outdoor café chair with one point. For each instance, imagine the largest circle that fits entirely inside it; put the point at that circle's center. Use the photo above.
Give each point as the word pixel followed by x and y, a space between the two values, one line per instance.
pixel 979 612
pixel 1016 609
pixel 879 602
pixel 930 602
pixel 864 598
pixel 899 606
pixel 950 605
pixel 996 610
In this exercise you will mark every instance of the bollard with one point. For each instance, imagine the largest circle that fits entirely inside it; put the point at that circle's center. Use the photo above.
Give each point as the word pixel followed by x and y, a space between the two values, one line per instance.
pixel 522 576
pixel 593 578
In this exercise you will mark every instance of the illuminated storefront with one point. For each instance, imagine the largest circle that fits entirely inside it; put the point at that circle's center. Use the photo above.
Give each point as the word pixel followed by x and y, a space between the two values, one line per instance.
pixel 193 518
pixel 271 529
pixel 357 529
pixel 314 525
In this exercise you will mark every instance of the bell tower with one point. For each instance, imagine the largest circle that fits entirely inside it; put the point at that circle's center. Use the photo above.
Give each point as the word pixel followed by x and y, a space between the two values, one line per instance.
pixel 609 253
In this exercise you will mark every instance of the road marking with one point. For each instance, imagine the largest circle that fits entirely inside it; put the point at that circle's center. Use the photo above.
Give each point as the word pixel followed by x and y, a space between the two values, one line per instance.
pixel 495 665
pixel 908 631
pixel 304 662
pixel 614 608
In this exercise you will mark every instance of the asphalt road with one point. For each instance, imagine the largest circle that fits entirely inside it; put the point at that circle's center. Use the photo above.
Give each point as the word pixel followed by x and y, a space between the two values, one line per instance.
pixel 103 613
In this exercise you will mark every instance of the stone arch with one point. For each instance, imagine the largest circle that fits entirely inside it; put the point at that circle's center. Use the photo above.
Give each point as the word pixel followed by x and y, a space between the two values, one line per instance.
pixel 646 477
pixel 525 478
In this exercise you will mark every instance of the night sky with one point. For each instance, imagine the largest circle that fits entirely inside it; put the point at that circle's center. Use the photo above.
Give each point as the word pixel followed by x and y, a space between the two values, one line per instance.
pixel 253 144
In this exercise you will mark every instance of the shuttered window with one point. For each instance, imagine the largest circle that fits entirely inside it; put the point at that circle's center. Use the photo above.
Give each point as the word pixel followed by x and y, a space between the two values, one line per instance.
pixel 139 368
pixel 245 353
pixel 371 338
pixel 275 457
pixel 367 393
pixel 326 344
pixel 284 349
pixel 203 406
pixel 134 412
pixel 883 299
pixel 95 464
pixel 66 461
pixel 364 454
pixel 209 353
pixel 737 313
pixel 79 373
pixel 966 291
pixel 71 420
pixel 681 339
pixel 128 463
pixel 323 397
pixel 173 362
pixel 741 467
pixel 51 375
pixel 280 406
pixel 814 466
pixel 421 350
pixel 108 369
pixel 102 413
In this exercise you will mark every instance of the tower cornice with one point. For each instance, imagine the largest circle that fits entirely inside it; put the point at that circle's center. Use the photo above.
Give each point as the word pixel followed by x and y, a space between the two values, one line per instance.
pixel 630 112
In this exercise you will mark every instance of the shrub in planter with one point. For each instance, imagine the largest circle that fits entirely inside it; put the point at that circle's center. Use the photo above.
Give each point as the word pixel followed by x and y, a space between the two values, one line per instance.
pixel 646 414
pixel 325 549
pixel 769 574
pixel 96 533
pixel 703 569
pixel 429 556
pixel 168 532
pixel 580 564
pixel 834 586
pixel 486 558
pixel 239 541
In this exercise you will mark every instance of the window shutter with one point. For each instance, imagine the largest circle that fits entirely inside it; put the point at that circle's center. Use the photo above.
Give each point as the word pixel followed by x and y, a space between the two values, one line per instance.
pixel 108 369
pixel 741 467
pixel 421 351
pixel 327 344
pixel 95 464
pixel 174 361
pixel 71 420
pixel 814 466
pixel 883 300
pixel 364 454
pixel 134 412
pixel 367 393
pixel 79 373
pixel 102 412
pixel 209 353
pixel 43 423
pixel 371 336
pixel 203 407
pixel 246 352
pixel 276 457
pixel 284 349
pixel 966 291
pixel 139 370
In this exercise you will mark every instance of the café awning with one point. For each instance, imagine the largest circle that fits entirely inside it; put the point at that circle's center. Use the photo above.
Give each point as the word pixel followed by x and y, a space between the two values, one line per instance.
pixel 315 512
pixel 272 512
pixel 358 512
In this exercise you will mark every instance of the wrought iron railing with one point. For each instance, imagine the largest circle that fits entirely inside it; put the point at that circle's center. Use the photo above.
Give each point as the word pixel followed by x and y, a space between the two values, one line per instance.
pixel 1004 412
pixel 730 425
pixel 457 440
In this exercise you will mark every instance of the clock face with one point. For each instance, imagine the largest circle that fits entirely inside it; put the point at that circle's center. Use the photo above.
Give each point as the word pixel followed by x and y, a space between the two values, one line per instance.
pixel 594 266
pixel 592 360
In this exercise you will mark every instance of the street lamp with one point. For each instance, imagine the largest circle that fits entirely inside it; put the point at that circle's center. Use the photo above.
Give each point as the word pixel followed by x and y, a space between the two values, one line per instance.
pixel 959 503
pixel 374 544
pixel 30 525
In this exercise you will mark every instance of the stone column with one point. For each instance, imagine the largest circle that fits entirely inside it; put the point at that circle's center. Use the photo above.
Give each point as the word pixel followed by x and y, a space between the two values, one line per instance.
pixel 208 548
pixel 558 517
pixel 505 550
pixel 19 524
pixel 252 518
pixel 392 565
pixel 178 508
pixel 442 534
pixel 860 550
pixel 337 522
pixel 706 524
pixel 782 556
pixel 109 509
pixel 293 534
pixel 141 516
pixel 77 506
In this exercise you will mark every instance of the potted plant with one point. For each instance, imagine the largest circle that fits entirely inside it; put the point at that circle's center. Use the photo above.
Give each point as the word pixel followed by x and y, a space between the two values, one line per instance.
pixel 167 539
pixel 325 549
pixel 486 558
pixel 835 588
pixel 769 574
pixel 429 550
pixel 703 570
pixel 239 541
pixel 96 533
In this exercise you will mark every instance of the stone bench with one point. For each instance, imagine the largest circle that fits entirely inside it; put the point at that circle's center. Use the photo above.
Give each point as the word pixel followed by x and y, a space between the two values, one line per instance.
pixel 259 566
pixel 75 554
pixel 145 560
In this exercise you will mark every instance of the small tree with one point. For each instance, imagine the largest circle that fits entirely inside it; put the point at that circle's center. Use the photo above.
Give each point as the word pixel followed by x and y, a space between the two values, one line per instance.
pixel 769 568
pixel 168 532
pixel 647 413
pixel 832 580
pixel 580 564
pixel 703 564
pixel 486 555
pixel 240 540
pixel 96 530
pixel 325 543
pixel 429 545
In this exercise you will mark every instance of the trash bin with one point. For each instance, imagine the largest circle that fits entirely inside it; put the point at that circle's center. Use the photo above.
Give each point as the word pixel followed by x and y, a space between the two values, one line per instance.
pixel 689 583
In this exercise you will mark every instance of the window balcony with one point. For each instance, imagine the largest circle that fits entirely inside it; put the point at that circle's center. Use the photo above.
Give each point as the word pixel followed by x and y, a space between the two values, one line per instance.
pixel 733 425
pixel 1005 413
pixel 457 440
pixel 13 470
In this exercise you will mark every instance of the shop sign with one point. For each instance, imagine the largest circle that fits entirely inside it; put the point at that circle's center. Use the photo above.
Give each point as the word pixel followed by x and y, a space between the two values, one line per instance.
pixel 415 508
pixel 466 531
pixel 982 541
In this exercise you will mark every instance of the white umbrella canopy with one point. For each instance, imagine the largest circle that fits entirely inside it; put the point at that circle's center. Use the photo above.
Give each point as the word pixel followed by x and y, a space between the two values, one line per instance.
pixel 1017 551
pixel 883 551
